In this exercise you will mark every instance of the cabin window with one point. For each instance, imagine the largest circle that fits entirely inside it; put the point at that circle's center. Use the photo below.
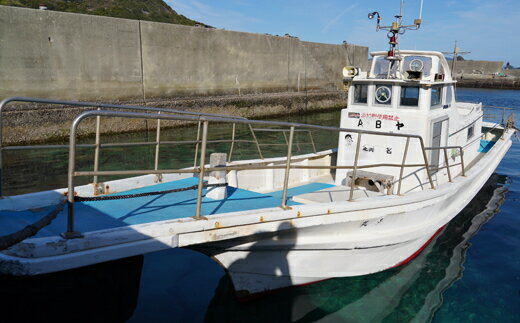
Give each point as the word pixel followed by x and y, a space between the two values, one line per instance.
pixel 383 94
pixel 384 69
pixel 418 64
pixel 361 94
pixel 410 96
pixel 436 97
pixel 471 132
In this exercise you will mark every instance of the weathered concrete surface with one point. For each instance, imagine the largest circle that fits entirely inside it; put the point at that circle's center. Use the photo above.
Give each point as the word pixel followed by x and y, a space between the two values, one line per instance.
pixel 68 56
pixel 38 122
pixel 513 73
pixel 82 57
pixel 485 74
pixel 477 67
pixel 91 58
pixel 180 60
pixel 489 82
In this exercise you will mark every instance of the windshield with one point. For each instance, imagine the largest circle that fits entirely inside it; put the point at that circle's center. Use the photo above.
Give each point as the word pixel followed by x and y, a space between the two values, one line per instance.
pixel 383 68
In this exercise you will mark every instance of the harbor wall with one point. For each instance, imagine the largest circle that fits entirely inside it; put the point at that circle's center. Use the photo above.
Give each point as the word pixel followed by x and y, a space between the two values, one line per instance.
pixel 67 56
pixel 83 57
pixel 485 74
pixel 477 67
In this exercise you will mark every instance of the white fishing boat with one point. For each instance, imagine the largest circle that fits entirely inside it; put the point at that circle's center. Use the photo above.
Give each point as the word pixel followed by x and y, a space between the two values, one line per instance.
pixel 408 159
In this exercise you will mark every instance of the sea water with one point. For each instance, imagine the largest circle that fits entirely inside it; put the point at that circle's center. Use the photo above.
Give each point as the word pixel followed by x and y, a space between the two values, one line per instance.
pixel 469 273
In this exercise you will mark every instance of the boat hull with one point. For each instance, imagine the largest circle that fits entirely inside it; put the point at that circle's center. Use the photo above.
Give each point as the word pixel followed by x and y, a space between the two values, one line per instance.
pixel 259 270
pixel 358 246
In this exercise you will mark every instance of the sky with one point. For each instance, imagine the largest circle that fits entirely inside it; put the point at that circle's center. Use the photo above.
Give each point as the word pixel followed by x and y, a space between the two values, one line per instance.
pixel 487 29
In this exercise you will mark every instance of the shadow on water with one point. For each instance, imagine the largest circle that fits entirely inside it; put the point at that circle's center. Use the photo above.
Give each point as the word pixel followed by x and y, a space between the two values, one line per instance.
pixel 260 269
pixel 106 292
pixel 410 292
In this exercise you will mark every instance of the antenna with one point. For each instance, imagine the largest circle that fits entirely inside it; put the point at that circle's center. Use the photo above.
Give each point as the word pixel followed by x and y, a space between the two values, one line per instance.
pixel 397 28
pixel 456 52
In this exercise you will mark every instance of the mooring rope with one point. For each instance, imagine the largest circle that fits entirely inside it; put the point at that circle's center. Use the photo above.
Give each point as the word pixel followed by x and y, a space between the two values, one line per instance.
pixel 119 197
pixel 30 230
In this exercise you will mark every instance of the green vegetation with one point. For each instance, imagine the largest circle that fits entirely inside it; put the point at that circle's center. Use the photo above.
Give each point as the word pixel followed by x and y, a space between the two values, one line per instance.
pixel 152 10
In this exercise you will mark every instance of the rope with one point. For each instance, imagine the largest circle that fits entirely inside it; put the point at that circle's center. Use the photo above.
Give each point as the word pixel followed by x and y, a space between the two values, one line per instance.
pixel 119 197
pixel 30 230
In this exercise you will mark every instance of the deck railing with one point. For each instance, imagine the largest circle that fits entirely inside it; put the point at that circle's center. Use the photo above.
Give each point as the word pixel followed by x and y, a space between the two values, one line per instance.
pixel 497 114
pixel 201 168
pixel 157 143
pixel 203 120
pixel 97 145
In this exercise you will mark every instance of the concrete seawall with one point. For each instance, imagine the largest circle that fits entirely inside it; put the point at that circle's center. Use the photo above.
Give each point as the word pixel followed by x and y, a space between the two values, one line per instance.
pixel 67 56
pixel 486 74
pixel 84 57
pixel 471 67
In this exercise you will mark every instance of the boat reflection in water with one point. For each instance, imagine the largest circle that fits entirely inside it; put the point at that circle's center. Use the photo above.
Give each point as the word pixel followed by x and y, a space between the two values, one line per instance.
pixel 410 292
pixel 120 290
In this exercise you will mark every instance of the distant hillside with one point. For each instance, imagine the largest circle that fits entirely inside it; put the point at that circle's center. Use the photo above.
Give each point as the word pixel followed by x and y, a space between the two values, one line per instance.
pixel 152 10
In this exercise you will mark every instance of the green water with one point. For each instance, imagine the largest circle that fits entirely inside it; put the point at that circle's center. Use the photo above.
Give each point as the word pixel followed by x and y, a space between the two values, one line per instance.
pixel 34 170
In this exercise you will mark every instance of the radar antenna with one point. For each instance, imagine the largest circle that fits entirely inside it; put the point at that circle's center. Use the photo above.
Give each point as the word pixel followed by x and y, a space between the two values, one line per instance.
pixel 397 28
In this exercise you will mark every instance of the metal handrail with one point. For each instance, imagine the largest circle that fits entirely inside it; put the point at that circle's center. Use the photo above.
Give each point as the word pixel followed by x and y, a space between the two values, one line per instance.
pixel 97 144
pixel 446 159
pixel 203 122
pixel 201 169
pixel 498 108
pixel 284 131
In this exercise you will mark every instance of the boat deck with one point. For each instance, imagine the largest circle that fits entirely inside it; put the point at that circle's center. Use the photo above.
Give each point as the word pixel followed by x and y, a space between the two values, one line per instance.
pixel 98 215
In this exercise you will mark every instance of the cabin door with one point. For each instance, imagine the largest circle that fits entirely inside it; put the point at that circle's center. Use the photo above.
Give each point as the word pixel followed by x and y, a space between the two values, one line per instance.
pixel 439 139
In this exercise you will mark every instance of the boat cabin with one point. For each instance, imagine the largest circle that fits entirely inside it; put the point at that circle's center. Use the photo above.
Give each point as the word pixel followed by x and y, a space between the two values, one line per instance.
pixel 412 93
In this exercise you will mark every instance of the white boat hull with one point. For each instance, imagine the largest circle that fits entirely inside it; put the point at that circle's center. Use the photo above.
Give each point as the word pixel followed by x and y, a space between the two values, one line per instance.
pixel 359 246
pixel 256 270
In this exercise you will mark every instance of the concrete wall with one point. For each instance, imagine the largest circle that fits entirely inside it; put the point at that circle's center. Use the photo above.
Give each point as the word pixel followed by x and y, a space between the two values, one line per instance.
pixel 477 67
pixel 82 57
pixel 68 56
pixel 514 73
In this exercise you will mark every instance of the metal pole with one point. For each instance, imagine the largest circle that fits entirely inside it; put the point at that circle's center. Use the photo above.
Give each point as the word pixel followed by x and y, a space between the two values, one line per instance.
pixel 256 141
pixel 447 164
pixel 70 233
pixel 287 169
pixel 426 164
pixel 285 137
pixel 402 165
pixel 1 167
pixel 312 141
pixel 157 148
pixel 232 142
pixel 197 145
pixel 354 171
pixel 201 168
pixel 96 150
pixel 2 105
pixel 462 161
